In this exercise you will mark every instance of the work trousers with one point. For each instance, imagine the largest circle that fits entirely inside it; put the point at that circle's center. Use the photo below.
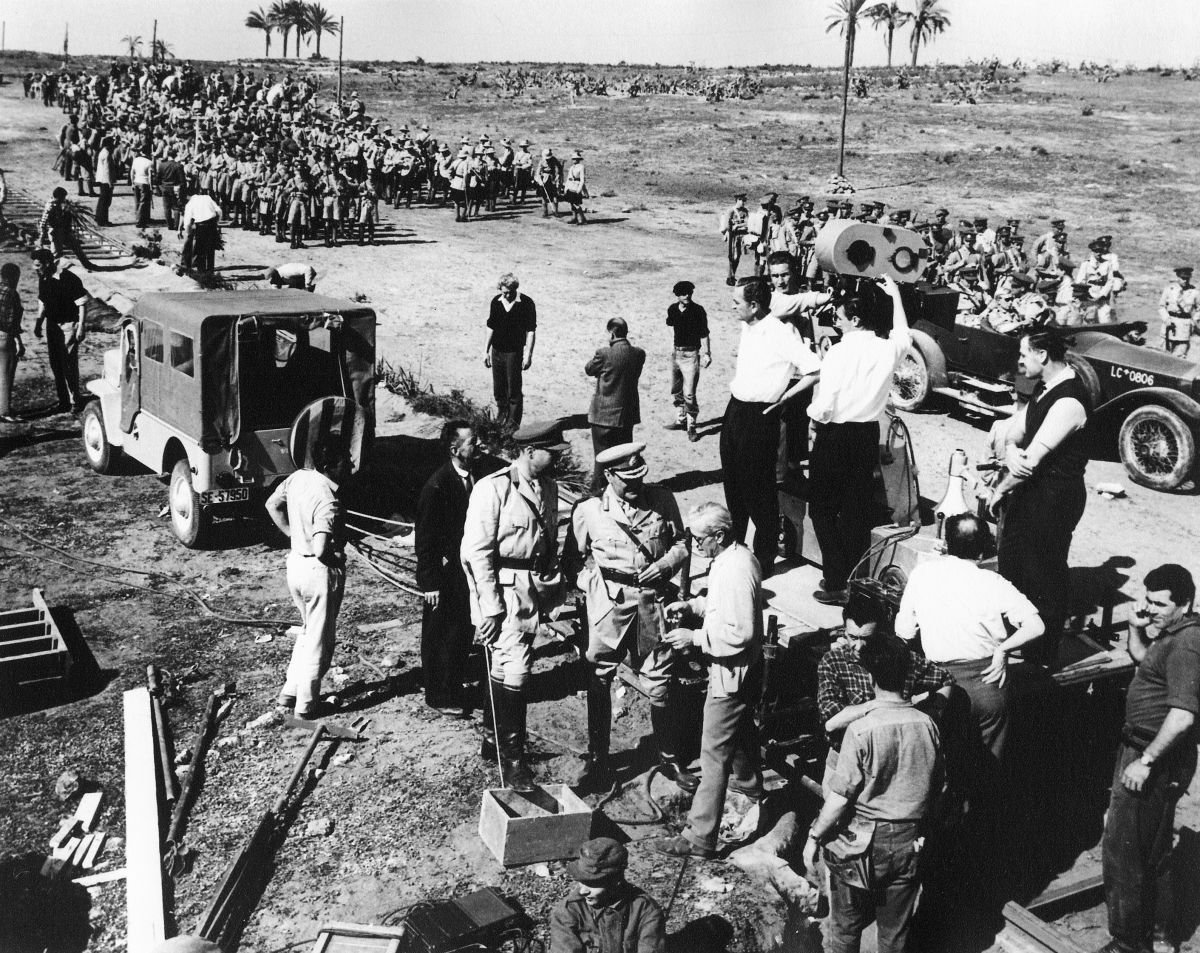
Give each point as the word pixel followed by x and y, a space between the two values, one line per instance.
pixel 685 374
pixel 143 197
pixel 793 437
pixel 171 206
pixel 890 903
pixel 8 370
pixel 1035 533
pixel 1137 843
pixel 63 347
pixel 604 438
pixel 317 592
pixel 729 751
pixel 103 204
pixel 749 447
pixel 506 385
pixel 446 637
pixel 989 704
pixel 840 495
pixel 203 255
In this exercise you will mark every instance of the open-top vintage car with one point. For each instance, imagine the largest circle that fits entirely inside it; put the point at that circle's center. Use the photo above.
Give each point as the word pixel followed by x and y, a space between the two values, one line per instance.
pixel 206 388
pixel 1145 403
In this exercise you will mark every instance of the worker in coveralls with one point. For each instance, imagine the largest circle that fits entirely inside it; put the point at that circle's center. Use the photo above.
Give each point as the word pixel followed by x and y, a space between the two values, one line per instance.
pixel 306 509
pixel 509 554
pixel 626 545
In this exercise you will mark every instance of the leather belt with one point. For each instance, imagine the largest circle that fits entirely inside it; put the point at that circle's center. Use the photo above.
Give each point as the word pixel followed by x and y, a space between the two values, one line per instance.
pixel 514 562
pixel 619 578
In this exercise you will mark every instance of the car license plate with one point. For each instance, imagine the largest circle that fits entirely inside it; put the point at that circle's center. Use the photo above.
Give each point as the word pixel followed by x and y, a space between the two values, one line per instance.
pixel 238 494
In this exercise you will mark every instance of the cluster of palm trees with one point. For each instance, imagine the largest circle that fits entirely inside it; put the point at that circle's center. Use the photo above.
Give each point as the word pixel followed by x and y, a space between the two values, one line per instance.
pixel 160 51
pixel 307 19
pixel 927 20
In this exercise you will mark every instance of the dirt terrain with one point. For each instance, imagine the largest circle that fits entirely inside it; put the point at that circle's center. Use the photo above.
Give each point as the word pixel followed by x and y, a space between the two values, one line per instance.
pixel 404 805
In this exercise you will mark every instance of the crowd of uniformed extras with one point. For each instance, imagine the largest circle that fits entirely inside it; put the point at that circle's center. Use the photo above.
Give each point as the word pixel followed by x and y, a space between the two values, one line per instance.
pixel 1005 279
pixel 915 707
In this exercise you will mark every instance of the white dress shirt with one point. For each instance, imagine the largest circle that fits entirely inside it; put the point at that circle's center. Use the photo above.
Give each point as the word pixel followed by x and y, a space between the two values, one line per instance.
pixel 199 208
pixel 856 376
pixel 960 609
pixel 767 353
pixel 140 171
pixel 732 632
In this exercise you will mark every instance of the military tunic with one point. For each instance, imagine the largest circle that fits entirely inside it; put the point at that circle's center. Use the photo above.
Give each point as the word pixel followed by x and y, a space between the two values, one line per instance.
pixel 1179 306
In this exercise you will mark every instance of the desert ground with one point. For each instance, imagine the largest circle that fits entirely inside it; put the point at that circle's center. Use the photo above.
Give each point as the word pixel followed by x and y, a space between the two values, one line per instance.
pixel 1116 158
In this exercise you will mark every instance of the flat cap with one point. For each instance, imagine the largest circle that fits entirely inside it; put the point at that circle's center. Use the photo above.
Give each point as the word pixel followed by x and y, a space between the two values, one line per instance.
pixel 600 859
pixel 542 435
pixel 1186 270
pixel 625 456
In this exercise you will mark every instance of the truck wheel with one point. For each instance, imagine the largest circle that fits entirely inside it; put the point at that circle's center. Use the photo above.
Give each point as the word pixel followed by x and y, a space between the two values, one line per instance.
pixel 101 455
pixel 911 385
pixel 188 518
pixel 1157 447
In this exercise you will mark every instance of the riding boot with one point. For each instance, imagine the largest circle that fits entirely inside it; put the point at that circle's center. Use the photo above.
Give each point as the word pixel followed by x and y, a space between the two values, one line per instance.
pixel 596 776
pixel 665 724
pixel 510 731
pixel 487 743
pixel 362 233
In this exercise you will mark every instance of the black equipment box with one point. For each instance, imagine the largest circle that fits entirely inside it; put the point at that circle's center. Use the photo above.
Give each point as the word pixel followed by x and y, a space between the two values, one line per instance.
pixel 480 919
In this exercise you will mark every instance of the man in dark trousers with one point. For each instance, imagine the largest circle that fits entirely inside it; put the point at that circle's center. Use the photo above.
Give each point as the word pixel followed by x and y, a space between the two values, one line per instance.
pixel 446 630
pixel 512 334
pixel 62 305
pixel 615 407
pixel 1157 756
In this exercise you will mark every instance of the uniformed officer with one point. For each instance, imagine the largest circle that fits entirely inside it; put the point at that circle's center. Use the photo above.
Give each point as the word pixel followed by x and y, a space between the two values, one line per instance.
pixel 1179 305
pixel 509 554
pixel 625 546
pixel 734 226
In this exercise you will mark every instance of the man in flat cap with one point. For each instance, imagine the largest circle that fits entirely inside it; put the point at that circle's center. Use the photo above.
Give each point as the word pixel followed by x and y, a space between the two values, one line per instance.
pixel 616 405
pixel 735 225
pixel 1179 306
pixel 605 913
pixel 509 554
pixel 624 548
pixel 689 322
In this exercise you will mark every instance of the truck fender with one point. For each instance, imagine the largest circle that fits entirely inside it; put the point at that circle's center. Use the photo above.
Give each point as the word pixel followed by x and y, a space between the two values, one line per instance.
pixel 935 360
pixel 1117 409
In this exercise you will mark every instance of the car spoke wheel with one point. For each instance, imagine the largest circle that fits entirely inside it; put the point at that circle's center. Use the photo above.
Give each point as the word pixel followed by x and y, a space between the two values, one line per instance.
pixel 99 452
pixel 1157 447
pixel 910 384
pixel 189 520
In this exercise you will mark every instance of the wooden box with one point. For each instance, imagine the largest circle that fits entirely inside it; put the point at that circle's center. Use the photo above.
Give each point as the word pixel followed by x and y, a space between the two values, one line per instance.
pixel 32 649
pixel 547 824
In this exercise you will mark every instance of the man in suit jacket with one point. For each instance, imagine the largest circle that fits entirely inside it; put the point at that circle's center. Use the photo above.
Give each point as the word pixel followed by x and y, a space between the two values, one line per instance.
pixel 446 630
pixel 615 405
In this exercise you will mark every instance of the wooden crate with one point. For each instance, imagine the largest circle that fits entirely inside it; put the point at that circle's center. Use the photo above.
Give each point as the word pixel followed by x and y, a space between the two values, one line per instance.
pixel 32 649
pixel 358 938
pixel 521 829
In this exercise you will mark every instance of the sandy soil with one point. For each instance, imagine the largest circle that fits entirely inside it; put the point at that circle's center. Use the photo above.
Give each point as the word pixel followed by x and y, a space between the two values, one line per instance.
pixel 405 804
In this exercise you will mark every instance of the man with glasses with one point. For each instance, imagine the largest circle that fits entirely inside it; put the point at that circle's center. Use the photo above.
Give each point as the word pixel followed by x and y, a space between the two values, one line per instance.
pixel 625 546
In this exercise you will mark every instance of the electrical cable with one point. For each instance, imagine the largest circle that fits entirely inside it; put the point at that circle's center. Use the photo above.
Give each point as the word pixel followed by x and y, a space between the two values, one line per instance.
pixel 150 573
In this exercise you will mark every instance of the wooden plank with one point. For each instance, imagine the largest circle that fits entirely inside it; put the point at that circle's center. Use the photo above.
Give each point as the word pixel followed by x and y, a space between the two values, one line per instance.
pixel 89 859
pixel 1041 931
pixel 67 828
pixel 89 807
pixel 64 851
pixel 34 629
pixel 1075 885
pixel 144 896
pixel 101 878
pixel 81 851
pixel 19 617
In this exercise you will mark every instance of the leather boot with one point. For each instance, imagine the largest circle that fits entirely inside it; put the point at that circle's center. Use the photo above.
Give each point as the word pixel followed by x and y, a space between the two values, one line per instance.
pixel 665 725
pixel 595 777
pixel 510 730
pixel 487 743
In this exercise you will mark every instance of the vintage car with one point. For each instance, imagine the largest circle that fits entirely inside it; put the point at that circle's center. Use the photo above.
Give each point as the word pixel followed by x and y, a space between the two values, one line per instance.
pixel 206 389
pixel 1145 403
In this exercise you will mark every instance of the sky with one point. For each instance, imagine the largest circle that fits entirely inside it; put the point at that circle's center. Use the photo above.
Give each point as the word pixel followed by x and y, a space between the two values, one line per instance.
pixel 707 32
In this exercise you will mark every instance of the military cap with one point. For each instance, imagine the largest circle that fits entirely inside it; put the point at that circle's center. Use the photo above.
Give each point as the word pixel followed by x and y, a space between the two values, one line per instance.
pixel 769 198
pixel 1021 278
pixel 941 211
pixel 847 204
pixel 801 199
pixel 980 220
pixel 600 860
pixel 425 127
pixel 1096 244
pixel 824 212
pixel 404 127
pixel 524 142
pixel 576 154
pixel 740 197
pixel 445 150
pixel 1184 271
pixel 965 226
pixel 1058 223
pixel 625 460
pixel 894 217
pixel 877 204
pixel 1014 222
pixel 795 210
pixel 686 287
pixel 1003 231
pixel 541 435
pixel 832 204
pixel 1105 239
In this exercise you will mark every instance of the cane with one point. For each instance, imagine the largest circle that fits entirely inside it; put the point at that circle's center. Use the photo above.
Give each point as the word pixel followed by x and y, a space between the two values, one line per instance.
pixel 487 649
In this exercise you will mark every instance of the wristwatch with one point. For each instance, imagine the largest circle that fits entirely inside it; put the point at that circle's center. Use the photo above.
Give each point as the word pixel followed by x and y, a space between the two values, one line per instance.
pixel 1146 761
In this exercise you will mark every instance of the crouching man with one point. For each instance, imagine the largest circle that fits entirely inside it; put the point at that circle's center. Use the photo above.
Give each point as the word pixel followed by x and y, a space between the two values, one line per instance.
pixel 605 913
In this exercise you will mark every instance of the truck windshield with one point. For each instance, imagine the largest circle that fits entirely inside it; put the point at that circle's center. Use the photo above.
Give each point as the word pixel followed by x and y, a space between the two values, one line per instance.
pixel 281 369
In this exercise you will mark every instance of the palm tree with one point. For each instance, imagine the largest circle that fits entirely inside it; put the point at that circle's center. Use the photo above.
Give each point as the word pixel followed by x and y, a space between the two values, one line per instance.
pixel 134 43
pixel 281 19
pixel 319 21
pixel 928 21
pixel 297 13
pixel 845 16
pixel 261 20
pixel 890 17
pixel 163 51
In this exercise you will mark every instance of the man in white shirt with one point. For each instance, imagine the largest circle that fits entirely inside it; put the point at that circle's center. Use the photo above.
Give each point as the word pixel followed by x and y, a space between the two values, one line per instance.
pixel 199 228
pixel 293 274
pixel 731 638
pixel 856 379
pixel 141 177
pixel 962 614
pixel 769 353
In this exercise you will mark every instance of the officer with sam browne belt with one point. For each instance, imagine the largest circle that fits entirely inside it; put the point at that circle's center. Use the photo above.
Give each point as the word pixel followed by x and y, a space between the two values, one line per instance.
pixel 509 555
pixel 625 546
